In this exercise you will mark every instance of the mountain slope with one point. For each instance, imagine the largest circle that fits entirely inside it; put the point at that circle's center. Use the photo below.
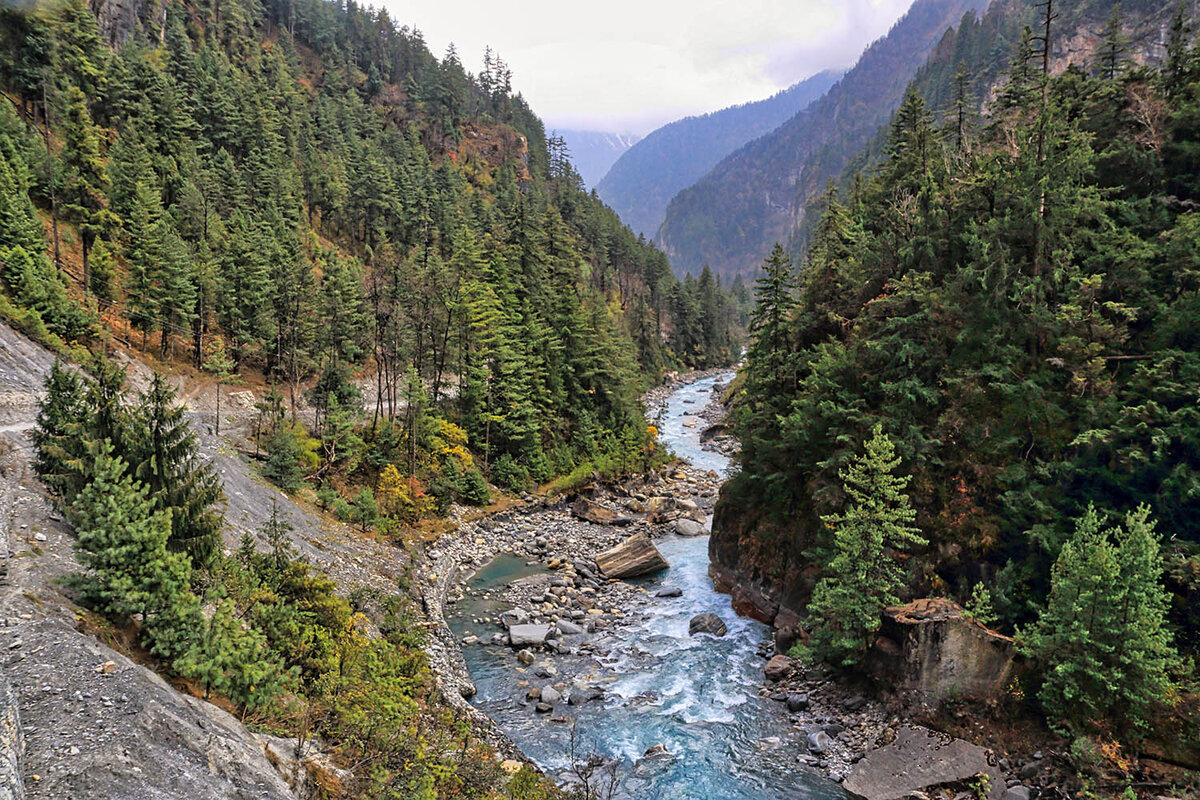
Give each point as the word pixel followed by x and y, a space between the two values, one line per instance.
pixel 594 152
pixel 730 217
pixel 671 158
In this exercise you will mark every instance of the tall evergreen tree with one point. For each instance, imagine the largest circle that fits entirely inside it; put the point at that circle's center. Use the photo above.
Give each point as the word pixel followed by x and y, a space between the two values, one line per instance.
pixel 1101 639
pixel 864 576
pixel 165 456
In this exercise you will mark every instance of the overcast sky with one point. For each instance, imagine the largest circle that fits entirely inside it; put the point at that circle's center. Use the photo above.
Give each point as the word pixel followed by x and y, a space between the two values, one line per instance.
pixel 628 66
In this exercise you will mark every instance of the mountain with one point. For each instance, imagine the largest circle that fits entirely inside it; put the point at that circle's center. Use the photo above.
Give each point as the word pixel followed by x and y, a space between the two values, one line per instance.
pixel 594 152
pixel 673 157
pixel 730 217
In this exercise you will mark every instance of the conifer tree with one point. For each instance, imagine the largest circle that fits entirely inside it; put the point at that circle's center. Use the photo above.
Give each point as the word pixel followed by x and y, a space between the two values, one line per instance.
pixel 84 179
pixel 1101 640
pixel 234 659
pixel 122 544
pixel 164 453
pixel 1112 55
pixel 863 577
pixel 59 435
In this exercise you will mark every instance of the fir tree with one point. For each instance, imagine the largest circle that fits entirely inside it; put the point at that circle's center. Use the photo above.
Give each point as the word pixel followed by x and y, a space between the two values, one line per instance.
pixel 1101 639
pixel 864 577
pixel 164 453
pixel 62 461
pixel 122 545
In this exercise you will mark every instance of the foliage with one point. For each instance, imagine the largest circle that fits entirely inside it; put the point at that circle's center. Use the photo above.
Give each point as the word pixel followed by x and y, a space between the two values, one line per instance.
pixel 1012 295
pixel 1102 641
pixel 863 578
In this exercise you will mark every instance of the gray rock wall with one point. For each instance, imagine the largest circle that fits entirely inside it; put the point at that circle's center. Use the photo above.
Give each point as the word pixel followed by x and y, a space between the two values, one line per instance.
pixel 12 744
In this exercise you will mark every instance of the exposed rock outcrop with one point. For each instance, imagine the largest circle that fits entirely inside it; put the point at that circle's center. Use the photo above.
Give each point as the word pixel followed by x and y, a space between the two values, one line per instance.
pixel 920 760
pixel 942 653
pixel 12 744
pixel 635 556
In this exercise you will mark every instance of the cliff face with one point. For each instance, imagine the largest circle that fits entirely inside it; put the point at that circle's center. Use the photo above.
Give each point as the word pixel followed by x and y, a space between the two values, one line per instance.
pixel 118 19
pixel 759 560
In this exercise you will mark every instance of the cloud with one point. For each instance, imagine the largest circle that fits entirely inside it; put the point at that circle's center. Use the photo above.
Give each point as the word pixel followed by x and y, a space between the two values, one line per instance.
pixel 632 65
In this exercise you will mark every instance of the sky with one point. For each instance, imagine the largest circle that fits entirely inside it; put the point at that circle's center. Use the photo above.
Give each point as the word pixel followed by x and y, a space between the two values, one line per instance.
pixel 628 66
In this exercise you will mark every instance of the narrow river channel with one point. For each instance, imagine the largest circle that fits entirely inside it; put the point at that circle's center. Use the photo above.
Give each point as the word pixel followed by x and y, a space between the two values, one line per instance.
pixel 695 696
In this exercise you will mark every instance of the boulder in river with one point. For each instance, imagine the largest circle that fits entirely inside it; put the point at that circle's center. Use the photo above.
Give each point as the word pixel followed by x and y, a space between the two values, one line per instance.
pixel 707 623
pixel 669 591
pixel 689 527
pixel 528 635
pixel 635 556
pixel 919 760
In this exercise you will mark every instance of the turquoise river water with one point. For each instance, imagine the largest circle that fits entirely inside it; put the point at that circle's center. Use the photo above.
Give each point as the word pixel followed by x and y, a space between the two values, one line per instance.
pixel 695 696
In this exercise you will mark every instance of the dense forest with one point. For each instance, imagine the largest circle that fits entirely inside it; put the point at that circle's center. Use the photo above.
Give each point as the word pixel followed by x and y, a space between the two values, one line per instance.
pixel 304 191
pixel 981 382
pixel 301 195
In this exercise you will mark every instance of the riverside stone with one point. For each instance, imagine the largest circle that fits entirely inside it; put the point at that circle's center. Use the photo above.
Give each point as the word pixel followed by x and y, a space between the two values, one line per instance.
pixel 943 653
pixel 528 635
pixel 920 760
pixel 819 742
pixel 635 556
pixel 669 591
pixel 778 668
pixel 689 527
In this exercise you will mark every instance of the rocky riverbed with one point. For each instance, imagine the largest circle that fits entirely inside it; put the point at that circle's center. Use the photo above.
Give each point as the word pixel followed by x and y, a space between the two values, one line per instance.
pixel 559 645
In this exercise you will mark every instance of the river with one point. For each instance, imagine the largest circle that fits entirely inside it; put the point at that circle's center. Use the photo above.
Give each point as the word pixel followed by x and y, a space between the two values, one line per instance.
pixel 696 696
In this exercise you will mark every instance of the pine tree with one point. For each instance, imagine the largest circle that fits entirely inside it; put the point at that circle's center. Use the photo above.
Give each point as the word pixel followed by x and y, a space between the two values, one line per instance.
pixel 62 461
pixel 864 576
pixel 282 465
pixel 165 456
pixel 1112 55
pixel 1101 641
pixel 122 545
pixel 235 660
pixel 84 179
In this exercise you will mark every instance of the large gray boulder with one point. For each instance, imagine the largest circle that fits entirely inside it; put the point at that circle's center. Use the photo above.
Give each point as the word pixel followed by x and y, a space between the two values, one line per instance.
pixel 921 760
pixel 689 527
pixel 528 635
pixel 635 556
pixel 929 648
pixel 707 623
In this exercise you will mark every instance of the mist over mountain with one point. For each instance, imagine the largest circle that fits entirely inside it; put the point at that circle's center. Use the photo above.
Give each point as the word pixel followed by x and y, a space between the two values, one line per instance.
pixel 594 152
pixel 645 178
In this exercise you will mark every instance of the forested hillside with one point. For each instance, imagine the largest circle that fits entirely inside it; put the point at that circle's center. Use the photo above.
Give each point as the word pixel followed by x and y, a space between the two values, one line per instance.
pixel 641 183
pixel 968 64
pixel 304 190
pixel 729 218
pixel 996 328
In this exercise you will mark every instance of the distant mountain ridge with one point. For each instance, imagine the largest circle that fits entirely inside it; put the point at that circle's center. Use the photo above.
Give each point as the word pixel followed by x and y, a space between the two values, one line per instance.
pixel 593 152
pixel 730 218
pixel 644 179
